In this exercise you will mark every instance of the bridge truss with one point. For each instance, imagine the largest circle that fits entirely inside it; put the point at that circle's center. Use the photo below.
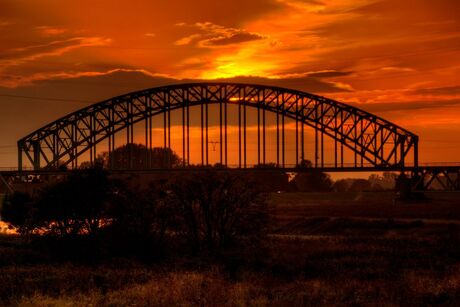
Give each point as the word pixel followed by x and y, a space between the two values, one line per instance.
pixel 374 141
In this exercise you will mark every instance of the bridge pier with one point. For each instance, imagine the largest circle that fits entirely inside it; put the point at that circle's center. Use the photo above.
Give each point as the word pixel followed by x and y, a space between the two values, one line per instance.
pixel 19 156
pixel 403 187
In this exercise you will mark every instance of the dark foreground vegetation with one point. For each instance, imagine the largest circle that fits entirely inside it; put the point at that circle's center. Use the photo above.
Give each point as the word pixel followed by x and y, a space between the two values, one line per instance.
pixel 211 239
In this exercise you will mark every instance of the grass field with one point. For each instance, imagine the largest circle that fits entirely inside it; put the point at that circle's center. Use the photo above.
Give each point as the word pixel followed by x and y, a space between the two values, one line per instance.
pixel 323 249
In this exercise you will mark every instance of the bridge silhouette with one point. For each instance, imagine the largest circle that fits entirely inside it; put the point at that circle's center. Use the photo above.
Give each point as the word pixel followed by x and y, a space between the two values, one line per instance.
pixel 343 138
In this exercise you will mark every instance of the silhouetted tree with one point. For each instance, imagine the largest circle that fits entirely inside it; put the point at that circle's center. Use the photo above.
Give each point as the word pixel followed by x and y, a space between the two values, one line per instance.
pixel 311 180
pixel 305 164
pixel 214 209
pixel 266 165
pixel 359 185
pixel 271 179
pixel 341 185
pixel 141 214
pixel 17 210
pixel 385 182
pixel 78 204
pixel 138 156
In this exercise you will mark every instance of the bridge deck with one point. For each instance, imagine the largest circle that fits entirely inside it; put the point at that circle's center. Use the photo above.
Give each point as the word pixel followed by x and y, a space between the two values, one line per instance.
pixel 425 177
pixel 326 169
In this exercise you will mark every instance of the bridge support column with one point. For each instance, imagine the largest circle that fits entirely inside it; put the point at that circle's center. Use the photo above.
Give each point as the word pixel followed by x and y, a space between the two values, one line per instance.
pixel 20 156
pixel 417 180
pixel 36 148
pixel 403 187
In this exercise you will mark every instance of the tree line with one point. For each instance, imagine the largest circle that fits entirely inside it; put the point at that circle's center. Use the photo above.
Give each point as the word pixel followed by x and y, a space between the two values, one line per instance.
pixel 205 210
pixel 138 156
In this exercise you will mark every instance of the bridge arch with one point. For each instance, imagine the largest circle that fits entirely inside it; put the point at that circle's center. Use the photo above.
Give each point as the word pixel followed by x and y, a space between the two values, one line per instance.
pixel 376 141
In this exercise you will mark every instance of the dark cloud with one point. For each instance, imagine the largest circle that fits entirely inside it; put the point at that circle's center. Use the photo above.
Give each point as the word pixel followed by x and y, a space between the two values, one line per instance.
pixel 407 106
pixel 329 74
pixel 235 38
pixel 307 84
pixel 208 34
pixel 451 90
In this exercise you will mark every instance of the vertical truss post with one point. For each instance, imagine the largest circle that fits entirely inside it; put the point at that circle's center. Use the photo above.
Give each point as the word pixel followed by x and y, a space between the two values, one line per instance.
pixel 361 143
pixel 263 136
pixel 183 136
pixel 277 132
pixel 302 135
pixel 382 146
pixel 202 133
pixel 95 141
pixel 92 156
pixel 146 122
pixel 342 139
pixel 169 133
pixel 188 131
pixel 150 134
pixel 355 138
pixel 244 134
pixel 20 146
pixel 36 149
pixel 335 138
pixel 239 134
pixel 225 134
pixel 316 135
pixel 395 148
pixel 322 135
pixel 165 158
pixel 258 134
pixel 130 135
pixel 55 150
pixel 207 133
pixel 221 132
pixel 112 140
pixel 297 133
pixel 74 147
pixel 402 155
pixel 283 151
pixel 375 143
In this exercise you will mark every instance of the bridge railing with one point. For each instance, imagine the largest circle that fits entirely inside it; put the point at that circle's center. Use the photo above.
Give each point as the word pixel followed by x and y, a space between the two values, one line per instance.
pixel 440 164
pixel 348 167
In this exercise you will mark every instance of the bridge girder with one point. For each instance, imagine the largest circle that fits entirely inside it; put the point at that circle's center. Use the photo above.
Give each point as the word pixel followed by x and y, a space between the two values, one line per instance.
pixel 375 140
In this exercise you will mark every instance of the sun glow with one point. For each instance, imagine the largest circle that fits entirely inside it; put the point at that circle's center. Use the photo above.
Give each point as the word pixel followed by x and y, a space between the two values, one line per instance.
pixel 232 68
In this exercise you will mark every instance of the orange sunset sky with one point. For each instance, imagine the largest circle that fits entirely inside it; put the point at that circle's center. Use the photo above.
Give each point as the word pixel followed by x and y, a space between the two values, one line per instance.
pixel 399 59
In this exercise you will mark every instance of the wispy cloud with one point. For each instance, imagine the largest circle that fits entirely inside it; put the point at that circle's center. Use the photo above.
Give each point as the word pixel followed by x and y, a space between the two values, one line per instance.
pixel 212 35
pixel 50 31
pixel 439 91
pixel 18 56
pixel 409 105
pixel 21 80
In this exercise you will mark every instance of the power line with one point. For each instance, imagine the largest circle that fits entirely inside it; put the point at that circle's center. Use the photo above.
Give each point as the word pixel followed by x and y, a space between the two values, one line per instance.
pixel 44 98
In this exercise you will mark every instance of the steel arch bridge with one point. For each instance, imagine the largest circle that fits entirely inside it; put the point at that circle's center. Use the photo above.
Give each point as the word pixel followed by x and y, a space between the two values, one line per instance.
pixel 375 142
